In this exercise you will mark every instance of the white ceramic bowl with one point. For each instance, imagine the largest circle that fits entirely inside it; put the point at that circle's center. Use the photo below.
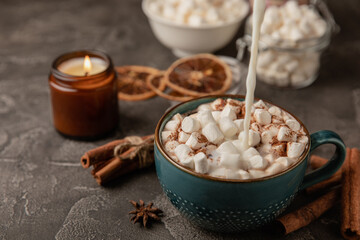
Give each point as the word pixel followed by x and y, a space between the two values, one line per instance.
pixel 187 40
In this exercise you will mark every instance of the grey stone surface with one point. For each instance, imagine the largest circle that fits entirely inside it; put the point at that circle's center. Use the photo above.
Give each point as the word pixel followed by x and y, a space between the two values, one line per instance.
pixel 44 192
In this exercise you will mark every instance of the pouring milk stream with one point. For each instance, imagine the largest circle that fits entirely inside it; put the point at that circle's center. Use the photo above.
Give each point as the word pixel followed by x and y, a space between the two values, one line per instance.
pixel 258 16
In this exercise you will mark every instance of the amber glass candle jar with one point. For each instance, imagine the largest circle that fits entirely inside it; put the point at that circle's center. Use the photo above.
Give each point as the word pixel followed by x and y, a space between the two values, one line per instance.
pixel 84 105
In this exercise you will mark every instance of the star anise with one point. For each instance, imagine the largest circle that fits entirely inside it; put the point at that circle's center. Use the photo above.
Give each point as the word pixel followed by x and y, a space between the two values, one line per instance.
pixel 143 212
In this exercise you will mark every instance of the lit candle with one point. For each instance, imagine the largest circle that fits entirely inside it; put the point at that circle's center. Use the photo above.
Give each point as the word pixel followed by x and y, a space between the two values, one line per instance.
pixel 83 87
pixel 83 66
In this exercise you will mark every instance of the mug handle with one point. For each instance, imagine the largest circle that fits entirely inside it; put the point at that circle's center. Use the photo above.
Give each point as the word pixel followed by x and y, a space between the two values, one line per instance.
pixel 335 162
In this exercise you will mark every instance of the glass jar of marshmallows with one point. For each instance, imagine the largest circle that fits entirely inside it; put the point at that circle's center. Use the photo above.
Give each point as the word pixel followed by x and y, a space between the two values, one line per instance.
pixel 292 39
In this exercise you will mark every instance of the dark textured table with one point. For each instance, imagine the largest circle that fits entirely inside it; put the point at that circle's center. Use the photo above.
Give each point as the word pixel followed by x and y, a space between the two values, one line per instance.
pixel 45 193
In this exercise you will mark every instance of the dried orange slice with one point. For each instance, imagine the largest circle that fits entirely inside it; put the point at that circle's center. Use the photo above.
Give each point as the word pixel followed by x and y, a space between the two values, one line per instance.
pixel 173 96
pixel 199 75
pixel 132 82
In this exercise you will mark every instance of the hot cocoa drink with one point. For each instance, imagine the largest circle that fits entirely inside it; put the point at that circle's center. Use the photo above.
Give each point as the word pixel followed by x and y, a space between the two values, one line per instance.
pixel 210 140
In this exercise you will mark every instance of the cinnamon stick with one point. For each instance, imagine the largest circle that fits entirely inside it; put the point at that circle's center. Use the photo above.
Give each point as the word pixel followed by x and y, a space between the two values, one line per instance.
pixel 99 154
pixel 119 157
pixel 317 162
pixel 350 227
pixel 305 215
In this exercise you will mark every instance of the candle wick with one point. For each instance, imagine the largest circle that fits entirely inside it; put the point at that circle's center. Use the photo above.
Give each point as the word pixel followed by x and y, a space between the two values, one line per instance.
pixel 86 74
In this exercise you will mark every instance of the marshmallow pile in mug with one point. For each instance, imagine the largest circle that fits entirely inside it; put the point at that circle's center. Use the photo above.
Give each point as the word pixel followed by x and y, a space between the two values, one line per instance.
pixel 210 141
pixel 199 12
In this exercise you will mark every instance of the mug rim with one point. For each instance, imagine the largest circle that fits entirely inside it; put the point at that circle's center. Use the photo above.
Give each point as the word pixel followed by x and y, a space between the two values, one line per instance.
pixel 219 179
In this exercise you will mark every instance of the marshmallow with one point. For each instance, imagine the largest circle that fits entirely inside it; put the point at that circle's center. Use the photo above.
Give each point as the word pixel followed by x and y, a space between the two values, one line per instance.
pixel 166 135
pixel 218 104
pixel 195 20
pixel 190 125
pixel 258 162
pixel 243 174
pixel 219 172
pixel 283 161
pixel 200 162
pixel 210 149
pixel 254 138
pixel 182 152
pixel 239 124
pixel 169 12
pixel 227 147
pixel 267 136
pixel 171 145
pixel 275 111
pixel 230 160
pixel 294 149
pixel 228 112
pixel 177 117
pixel 255 126
pixel 285 135
pixel 188 162
pixel 279 148
pixel 269 158
pixel 216 115
pixel 262 116
pixel 203 107
pixel 196 140
pixel 293 124
pixel 155 7
pixel 235 106
pixel 260 104
pixel 212 132
pixel 250 152
pixel 319 27
pixel 291 66
pixel 274 168
pixel 172 125
pixel 228 127
pixel 183 137
pixel 257 173
pixel 212 15
pixel 231 174
pixel 205 117
pixel 298 78
pixel 265 58
pixel 303 139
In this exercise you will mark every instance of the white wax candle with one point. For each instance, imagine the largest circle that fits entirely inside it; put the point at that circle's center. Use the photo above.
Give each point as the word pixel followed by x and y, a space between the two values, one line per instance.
pixel 75 66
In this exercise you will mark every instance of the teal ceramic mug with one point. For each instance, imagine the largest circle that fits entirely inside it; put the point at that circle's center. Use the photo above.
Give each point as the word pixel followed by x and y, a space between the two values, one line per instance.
pixel 227 205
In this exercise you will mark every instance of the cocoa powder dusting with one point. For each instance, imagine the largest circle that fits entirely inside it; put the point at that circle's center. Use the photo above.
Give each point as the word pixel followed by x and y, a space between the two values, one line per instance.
pixel 202 138
pixel 220 106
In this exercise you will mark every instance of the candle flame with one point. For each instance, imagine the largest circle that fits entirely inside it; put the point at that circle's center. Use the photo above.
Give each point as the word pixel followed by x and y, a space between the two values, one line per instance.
pixel 87 65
